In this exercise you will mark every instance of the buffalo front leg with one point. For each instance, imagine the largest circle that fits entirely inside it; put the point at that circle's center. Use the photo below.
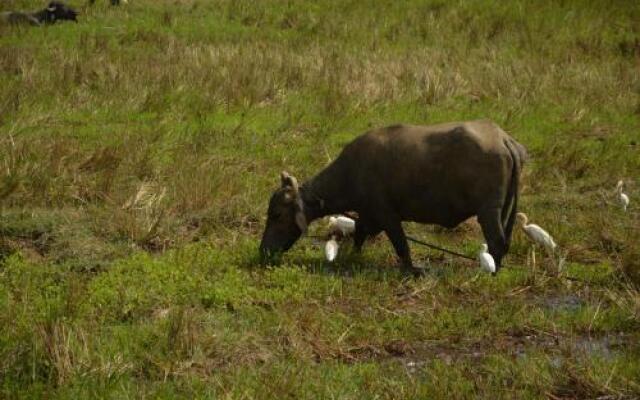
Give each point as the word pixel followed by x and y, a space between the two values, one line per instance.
pixel 364 230
pixel 395 233
pixel 493 232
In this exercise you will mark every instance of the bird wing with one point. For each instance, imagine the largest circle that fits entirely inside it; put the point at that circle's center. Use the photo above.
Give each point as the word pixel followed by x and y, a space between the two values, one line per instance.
pixel 346 225
pixel 624 199
pixel 541 236
pixel 487 262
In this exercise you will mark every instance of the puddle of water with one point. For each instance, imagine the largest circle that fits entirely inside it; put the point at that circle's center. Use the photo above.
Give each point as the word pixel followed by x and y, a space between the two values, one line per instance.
pixel 448 356
pixel 566 302
pixel 607 347
pixel 414 366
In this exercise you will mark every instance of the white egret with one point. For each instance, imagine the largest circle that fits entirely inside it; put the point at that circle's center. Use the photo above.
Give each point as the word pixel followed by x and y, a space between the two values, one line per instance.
pixel 331 249
pixel 622 197
pixel 536 233
pixel 343 224
pixel 486 260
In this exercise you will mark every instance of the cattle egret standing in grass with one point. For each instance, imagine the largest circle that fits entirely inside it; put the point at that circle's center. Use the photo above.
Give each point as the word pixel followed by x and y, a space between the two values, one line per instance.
pixel 486 260
pixel 622 198
pixel 331 249
pixel 343 224
pixel 537 234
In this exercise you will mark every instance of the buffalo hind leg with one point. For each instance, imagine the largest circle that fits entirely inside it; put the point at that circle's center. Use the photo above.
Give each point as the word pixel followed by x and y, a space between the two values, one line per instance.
pixel 510 221
pixel 491 223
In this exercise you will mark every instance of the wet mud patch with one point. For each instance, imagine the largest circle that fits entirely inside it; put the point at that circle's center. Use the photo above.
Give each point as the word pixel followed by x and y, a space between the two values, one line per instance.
pixel 562 302
pixel 523 344
pixel 517 345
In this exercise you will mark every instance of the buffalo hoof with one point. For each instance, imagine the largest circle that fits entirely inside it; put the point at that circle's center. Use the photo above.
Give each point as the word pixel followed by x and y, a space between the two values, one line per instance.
pixel 416 272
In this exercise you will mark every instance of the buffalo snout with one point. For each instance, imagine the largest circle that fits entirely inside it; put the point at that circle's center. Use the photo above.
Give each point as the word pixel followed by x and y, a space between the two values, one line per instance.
pixel 276 241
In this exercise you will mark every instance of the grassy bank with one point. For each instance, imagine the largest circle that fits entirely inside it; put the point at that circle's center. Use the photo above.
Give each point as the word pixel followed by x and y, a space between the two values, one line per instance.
pixel 138 149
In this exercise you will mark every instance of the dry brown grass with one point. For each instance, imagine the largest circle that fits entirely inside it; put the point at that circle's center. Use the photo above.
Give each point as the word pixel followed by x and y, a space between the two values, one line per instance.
pixel 148 127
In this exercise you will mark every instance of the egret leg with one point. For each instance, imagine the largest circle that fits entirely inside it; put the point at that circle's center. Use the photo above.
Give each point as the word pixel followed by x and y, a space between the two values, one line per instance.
pixel 554 261
pixel 533 256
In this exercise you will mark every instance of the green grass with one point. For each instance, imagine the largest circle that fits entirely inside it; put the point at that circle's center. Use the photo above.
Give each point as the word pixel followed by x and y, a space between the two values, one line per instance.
pixel 139 147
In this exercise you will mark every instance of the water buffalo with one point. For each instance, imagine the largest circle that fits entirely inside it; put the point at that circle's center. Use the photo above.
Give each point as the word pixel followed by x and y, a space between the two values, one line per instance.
pixel 441 174
pixel 55 11
pixel 113 2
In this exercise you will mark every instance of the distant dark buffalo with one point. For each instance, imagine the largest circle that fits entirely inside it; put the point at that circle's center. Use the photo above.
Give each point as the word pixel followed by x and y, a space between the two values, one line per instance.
pixel 441 174
pixel 113 2
pixel 55 11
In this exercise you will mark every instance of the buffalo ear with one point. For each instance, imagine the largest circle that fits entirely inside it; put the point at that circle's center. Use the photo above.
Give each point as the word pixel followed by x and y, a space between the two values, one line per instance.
pixel 289 181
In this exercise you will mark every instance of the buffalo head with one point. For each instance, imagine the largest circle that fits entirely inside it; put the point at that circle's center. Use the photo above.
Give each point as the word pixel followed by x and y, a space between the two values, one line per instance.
pixel 58 11
pixel 286 220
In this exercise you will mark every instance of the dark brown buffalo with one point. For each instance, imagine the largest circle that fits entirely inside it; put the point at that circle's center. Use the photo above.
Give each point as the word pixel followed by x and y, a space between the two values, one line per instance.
pixel 441 174
pixel 113 2
pixel 55 11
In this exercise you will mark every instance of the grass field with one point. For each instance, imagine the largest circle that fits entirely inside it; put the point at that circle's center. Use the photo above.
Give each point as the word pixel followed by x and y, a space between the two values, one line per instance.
pixel 138 149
